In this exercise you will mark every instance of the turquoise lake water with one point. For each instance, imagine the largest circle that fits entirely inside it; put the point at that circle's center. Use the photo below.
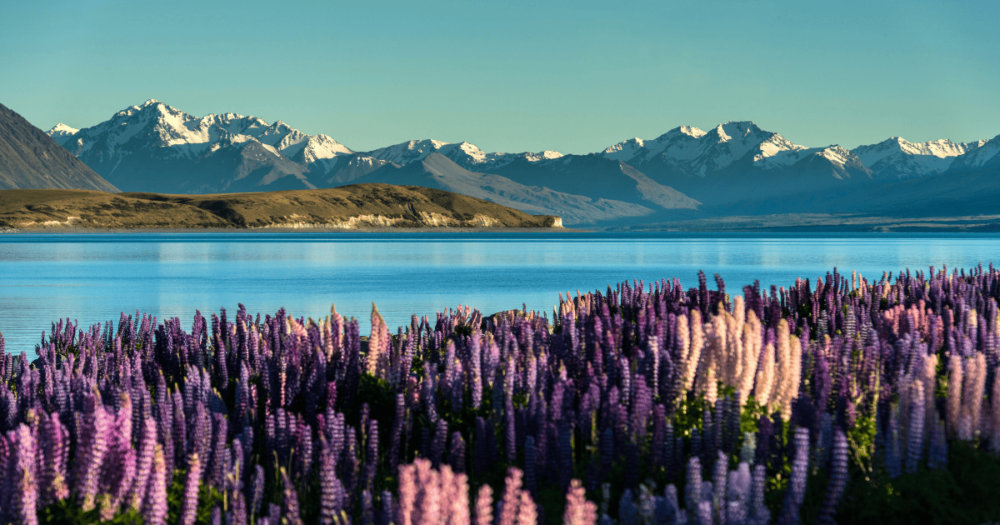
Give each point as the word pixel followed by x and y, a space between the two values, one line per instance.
pixel 94 277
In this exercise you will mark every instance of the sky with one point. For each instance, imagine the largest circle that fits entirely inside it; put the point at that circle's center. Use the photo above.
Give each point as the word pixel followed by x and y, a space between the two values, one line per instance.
pixel 575 76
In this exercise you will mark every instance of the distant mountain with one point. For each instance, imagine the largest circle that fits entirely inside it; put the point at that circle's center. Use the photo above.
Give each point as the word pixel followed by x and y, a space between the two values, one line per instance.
pixel 736 162
pixel 736 166
pixel 31 159
pixel 155 147
pixel 464 154
pixel 897 158
pixel 437 171
pixel 982 154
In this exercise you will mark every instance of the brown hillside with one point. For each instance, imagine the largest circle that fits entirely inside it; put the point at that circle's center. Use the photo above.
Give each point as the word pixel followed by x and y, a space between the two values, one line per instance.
pixel 355 206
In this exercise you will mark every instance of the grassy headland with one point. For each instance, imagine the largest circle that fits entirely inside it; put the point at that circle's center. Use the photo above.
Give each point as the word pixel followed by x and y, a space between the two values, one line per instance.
pixel 359 206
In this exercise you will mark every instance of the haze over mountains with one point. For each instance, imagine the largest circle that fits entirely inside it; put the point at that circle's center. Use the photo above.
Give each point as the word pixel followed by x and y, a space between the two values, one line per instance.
pixel 734 168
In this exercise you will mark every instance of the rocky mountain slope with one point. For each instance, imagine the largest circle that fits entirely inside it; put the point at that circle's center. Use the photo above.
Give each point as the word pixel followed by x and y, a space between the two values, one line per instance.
pixel 31 159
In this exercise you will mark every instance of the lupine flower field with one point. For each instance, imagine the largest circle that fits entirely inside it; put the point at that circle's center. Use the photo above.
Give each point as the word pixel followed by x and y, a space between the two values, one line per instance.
pixel 838 400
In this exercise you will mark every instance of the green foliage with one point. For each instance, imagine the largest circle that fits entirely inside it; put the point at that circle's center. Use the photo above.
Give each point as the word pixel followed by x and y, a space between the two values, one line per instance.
pixel 750 417
pixel 861 438
pixel 690 414
pixel 68 512
pixel 965 493
pixel 208 498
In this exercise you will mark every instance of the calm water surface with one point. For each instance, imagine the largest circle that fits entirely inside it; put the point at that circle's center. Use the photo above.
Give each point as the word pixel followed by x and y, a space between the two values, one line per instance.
pixel 94 277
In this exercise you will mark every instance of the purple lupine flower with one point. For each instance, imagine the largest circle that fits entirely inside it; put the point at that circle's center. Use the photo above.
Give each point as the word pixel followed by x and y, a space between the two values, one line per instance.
pixel 258 490
pixel 510 432
pixel 92 447
pixel 291 501
pixel 147 450
pixel 607 451
pixel 566 455
pixel 893 453
pixel 348 464
pixel 720 474
pixel 53 448
pixel 738 494
pixel 387 516
pixel 657 447
pixel 456 453
pixel 692 491
pixel 367 508
pixel 838 479
pixel 704 512
pixel 530 475
pixel 154 505
pixel 218 466
pixel 25 498
pixel 796 491
pixel 758 509
pixel 179 428
pixel 331 490
pixel 937 455
pixel 915 433
pixel 192 480
pixel 274 513
pixel 398 422
pixel 628 514
pixel 371 455
pixel 438 444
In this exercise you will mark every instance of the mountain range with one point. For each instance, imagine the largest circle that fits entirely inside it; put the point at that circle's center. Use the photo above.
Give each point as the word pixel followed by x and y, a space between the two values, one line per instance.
pixel 736 167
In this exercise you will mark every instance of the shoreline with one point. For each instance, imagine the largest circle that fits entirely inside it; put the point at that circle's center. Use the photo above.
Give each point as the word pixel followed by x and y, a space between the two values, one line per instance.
pixel 106 231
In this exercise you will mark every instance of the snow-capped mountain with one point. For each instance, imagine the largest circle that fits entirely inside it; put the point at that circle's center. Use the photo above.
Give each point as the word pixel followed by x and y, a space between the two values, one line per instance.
pixel 156 147
pixel 736 161
pixel 467 155
pixel 693 152
pixel 61 133
pixel 897 158
pixel 979 154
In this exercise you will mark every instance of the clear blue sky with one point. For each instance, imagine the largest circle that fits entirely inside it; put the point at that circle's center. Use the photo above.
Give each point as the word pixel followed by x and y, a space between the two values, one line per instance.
pixel 573 76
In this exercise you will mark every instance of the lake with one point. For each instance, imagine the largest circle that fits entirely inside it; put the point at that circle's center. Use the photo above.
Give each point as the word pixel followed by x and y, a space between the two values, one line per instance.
pixel 95 277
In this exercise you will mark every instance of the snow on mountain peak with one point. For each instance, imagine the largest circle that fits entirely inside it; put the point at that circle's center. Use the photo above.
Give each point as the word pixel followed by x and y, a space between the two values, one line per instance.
pixel 720 131
pixel 62 133
pixel 155 125
pixel 904 159
pixel 690 131
pixel 836 154
pixel 472 151
pixel 981 152
pixel 61 129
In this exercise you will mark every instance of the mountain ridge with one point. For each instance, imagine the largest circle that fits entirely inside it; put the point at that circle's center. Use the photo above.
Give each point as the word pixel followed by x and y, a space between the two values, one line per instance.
pixel 685 170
